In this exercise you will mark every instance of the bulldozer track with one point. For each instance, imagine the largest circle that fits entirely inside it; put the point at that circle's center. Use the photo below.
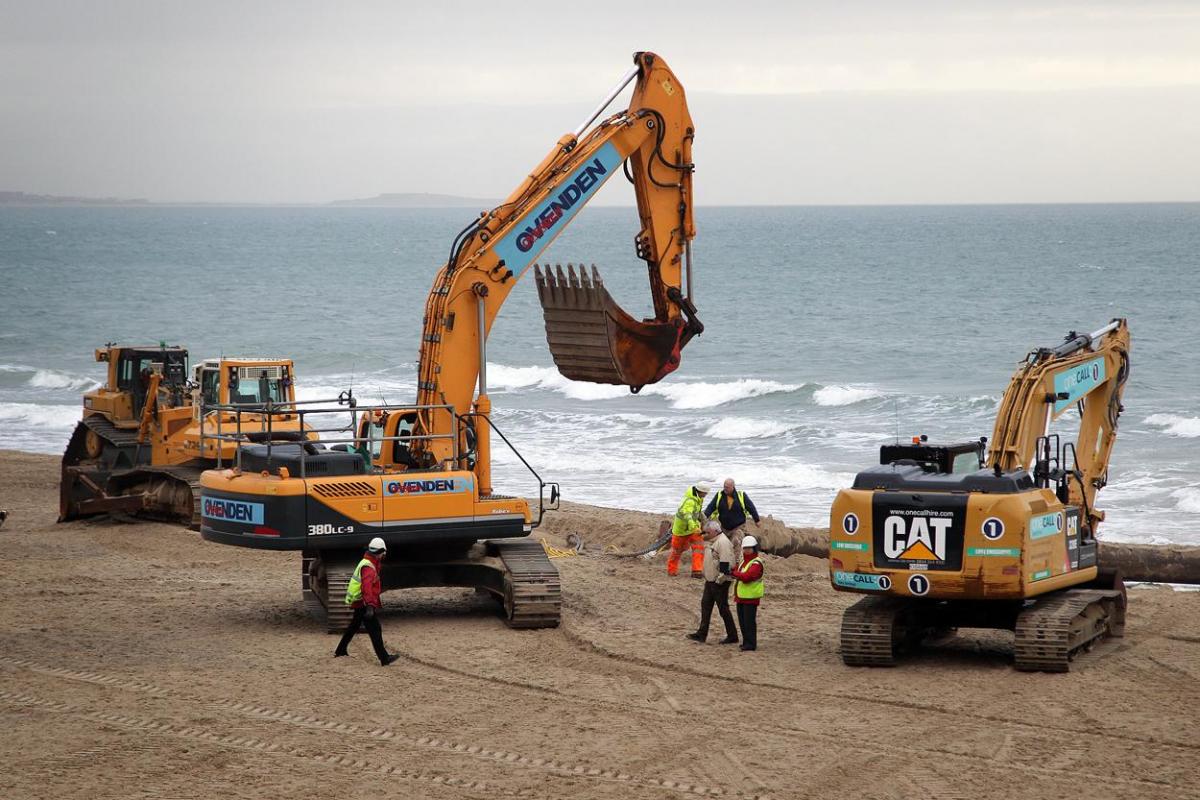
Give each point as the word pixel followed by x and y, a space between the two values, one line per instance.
pixel 447 746
pixel 125 439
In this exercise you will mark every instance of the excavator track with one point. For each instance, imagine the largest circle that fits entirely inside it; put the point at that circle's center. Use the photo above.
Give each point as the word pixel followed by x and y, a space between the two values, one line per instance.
pixel 873 631
pixel 518 573
pixel 533 592
pixel 1051 631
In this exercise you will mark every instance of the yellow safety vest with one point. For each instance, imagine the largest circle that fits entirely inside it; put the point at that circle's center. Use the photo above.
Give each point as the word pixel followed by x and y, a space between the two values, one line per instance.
pixel 717 507
pixel 751 590
pixel 687 518
pixel 354 587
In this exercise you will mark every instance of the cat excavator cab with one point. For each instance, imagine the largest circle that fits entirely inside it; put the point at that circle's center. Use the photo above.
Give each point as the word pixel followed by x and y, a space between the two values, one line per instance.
pixel 419 476
pixel 940 538
pixel 140 446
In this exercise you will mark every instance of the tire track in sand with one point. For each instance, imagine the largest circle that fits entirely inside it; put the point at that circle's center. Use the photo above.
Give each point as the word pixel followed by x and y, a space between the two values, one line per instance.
pixel 445 746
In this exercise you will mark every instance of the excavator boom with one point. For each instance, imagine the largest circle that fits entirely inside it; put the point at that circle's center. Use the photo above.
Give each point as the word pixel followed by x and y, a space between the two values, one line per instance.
pixel 590 336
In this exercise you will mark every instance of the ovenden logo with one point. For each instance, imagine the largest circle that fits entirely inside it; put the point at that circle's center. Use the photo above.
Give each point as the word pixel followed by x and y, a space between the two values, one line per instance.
pixel 425 487
pixel 586 179
pixel 232 510
pixel 533 231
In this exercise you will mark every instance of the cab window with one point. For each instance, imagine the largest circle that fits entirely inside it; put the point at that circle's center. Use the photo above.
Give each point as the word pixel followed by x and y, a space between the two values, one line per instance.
pixel 209 387
pixel 966 462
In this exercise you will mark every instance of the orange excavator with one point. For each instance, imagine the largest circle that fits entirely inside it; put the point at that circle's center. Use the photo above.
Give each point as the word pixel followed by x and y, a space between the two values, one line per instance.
pixel 420 476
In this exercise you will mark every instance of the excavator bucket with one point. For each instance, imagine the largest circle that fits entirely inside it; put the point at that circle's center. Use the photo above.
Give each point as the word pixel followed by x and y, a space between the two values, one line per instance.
pixel 592 338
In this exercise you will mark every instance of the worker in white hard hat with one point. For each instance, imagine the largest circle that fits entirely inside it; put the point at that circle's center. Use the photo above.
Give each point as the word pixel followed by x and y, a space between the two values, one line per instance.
pixel 362 594
pixel 748 591
pixel 685 530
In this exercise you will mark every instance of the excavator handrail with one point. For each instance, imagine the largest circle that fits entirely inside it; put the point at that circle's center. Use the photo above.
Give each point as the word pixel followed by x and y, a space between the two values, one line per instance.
pixel 554 487
pixel 345 405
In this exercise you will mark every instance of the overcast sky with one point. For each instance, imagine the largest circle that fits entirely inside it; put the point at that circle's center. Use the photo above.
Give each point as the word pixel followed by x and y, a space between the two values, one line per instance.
pixel 794 102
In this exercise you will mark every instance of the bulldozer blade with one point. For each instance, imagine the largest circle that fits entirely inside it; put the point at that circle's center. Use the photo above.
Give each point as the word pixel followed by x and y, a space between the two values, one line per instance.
pixel 592 338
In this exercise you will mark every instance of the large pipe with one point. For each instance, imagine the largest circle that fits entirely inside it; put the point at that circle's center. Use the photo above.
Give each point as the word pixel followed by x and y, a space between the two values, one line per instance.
pixel 628 77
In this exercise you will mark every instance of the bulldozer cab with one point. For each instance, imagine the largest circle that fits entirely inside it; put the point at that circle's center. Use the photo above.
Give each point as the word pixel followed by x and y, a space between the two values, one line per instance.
pixel 129 372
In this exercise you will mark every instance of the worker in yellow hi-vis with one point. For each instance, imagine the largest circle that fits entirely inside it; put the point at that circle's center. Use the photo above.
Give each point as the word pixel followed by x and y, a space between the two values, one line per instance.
pixel 685 530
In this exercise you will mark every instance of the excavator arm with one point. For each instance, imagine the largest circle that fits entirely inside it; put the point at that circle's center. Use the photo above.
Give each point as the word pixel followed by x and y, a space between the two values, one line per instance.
pixel 591 338
pixel 1087 372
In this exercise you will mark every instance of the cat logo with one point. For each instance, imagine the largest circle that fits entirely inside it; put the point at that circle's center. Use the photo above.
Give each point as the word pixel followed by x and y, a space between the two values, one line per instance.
pixel 917 532
pixel 916 538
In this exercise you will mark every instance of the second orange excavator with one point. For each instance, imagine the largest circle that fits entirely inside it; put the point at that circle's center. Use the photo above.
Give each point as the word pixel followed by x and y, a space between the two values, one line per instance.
pixel 420 476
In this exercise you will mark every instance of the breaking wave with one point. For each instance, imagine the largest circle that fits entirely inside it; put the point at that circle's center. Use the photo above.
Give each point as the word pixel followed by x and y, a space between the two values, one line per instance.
pixel 844 395
pixel 681 395
pixel 52 379
pixel 1175 425
pixel 737 428
pixel 1187 499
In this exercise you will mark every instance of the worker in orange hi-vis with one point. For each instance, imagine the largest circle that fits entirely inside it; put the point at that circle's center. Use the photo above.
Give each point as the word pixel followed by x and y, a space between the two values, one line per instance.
pixel 685 530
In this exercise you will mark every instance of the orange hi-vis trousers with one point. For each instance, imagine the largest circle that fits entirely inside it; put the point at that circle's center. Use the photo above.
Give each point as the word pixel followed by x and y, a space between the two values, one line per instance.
pixel 678 543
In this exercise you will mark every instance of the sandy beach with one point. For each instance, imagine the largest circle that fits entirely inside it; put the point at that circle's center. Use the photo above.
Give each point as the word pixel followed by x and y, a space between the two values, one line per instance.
pixel 138 660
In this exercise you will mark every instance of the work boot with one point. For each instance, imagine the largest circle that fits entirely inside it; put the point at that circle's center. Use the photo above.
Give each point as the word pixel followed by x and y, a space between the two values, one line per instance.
pixel 744 648
pixel 339 653
pixel 729 640
pixel 696 637
pixel 391 659
pixel 697 574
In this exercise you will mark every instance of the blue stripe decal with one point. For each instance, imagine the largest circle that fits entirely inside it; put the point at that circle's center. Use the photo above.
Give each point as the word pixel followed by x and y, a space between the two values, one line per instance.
pixel 530 236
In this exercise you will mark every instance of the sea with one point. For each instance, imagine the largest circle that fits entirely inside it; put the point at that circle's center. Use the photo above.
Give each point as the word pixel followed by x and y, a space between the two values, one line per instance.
pixel 829 331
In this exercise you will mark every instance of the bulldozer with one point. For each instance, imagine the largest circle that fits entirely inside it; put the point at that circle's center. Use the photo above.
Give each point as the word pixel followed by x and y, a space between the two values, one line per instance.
pixel 148 433
pixel 420 476
pixel 967 535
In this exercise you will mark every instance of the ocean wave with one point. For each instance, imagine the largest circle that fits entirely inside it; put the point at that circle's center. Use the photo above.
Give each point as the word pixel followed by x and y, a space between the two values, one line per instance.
pixel 844 395
pixel 44 417
pixel 681 395
pixel 1175 425
pixel 737 428
pixel 1188 499
pixel 53 379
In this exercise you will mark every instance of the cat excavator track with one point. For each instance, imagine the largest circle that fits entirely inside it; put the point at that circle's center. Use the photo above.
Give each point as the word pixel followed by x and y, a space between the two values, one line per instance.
pixel 876 629
pixel 1054 629
pixel 517 573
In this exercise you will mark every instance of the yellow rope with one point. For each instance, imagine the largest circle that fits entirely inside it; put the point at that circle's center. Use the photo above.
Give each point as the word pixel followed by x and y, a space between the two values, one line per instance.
pixel 554 552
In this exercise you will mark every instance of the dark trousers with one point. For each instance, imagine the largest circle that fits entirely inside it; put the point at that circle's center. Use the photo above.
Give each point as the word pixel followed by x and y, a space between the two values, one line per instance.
pixel 373 629
pixel 748 621
pixel 716 594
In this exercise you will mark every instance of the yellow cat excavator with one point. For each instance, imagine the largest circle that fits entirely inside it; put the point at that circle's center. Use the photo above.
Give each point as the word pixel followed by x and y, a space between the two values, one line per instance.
pixel 942 539
pixel 420 476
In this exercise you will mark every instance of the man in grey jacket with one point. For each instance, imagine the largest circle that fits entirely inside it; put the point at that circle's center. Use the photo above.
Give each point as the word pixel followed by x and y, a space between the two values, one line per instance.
pixel 718 563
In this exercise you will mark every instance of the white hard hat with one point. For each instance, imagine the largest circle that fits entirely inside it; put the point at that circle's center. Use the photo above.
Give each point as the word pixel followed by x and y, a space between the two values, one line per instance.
pixel 749 541
pixel 704 487
pixel 377 545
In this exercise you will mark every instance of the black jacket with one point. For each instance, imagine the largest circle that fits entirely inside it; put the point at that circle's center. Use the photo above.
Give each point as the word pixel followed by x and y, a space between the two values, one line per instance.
pixel 734 517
